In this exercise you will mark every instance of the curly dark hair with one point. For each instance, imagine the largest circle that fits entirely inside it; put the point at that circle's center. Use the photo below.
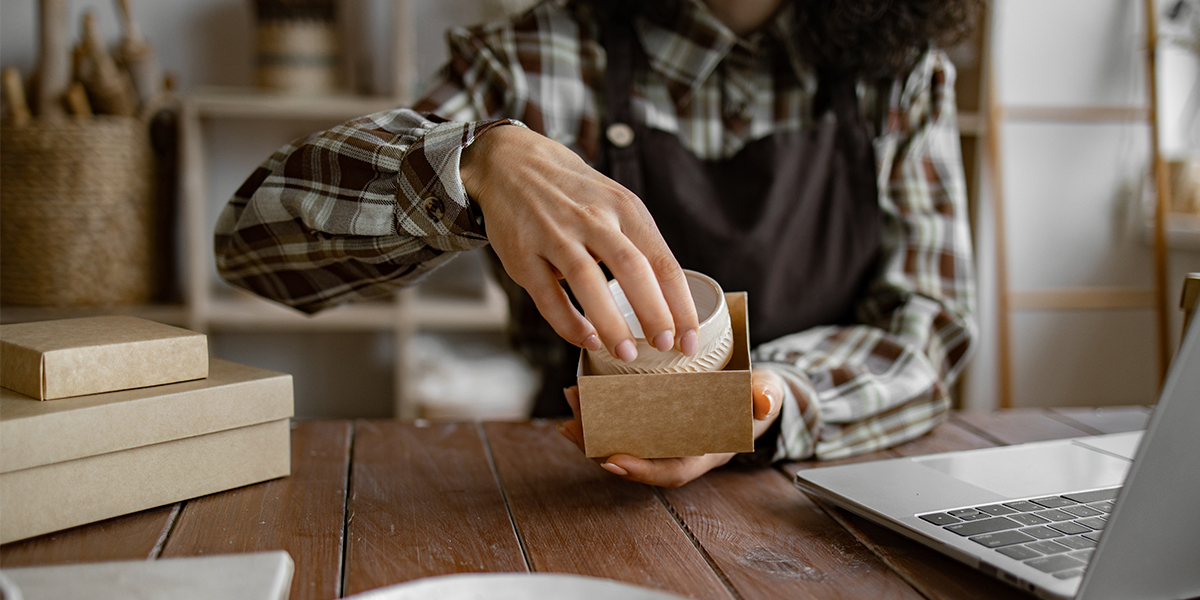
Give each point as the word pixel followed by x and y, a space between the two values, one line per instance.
pixel 880 37
pixel 871 38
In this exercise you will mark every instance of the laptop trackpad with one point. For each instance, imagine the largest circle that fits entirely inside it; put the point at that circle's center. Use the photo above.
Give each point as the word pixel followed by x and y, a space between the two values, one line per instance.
pixel 1039 469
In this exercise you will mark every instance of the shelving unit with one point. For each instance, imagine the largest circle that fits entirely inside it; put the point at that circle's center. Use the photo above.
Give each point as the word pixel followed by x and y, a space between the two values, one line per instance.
pixel 208 308
pixel 214 307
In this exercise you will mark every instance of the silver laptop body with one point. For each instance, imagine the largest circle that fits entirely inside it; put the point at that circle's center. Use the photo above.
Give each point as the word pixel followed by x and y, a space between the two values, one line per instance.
pixel 964 503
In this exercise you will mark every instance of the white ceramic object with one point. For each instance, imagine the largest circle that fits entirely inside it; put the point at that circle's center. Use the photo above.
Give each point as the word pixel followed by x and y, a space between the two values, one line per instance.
pixel 715 335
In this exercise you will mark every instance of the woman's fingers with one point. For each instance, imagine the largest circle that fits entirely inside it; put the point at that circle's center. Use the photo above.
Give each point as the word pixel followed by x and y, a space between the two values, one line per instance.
pixel 664 472
pixel 671 281
pixel 767 390
pixel 552 301
pixel 631 267
pixel 549 214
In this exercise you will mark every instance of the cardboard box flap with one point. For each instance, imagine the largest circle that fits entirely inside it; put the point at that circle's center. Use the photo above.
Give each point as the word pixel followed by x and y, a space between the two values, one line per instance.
pixel 73 357
pixel 35 433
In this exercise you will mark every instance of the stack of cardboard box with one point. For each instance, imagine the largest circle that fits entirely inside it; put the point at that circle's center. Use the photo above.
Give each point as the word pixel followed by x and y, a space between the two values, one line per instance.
pixel 105 416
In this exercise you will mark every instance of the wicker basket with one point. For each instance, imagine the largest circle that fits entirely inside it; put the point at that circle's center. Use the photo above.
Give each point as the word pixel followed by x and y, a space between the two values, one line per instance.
pixel 76 213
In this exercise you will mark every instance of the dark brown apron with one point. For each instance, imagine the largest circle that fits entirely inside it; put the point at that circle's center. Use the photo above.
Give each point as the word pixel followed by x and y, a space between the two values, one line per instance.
pixel 792 219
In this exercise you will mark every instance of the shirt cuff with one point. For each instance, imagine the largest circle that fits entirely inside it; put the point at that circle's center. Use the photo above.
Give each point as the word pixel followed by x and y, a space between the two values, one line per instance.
pixel 432 202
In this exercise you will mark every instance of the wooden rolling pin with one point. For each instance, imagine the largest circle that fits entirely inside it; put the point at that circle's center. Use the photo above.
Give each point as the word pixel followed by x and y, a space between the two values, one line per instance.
pixel 137 56
pixel 108 85
pixel 54 59
pixel 14 93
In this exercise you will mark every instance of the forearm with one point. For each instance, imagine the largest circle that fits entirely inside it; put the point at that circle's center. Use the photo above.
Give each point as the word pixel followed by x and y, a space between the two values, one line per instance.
pixel 350 212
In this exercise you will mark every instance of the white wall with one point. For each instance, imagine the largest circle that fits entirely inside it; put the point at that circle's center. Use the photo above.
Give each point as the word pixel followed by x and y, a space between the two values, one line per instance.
pixel 1074 199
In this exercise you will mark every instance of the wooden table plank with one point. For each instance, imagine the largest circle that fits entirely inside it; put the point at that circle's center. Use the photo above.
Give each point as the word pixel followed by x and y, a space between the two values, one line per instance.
pixel 424 501
pixel 131 537
pixel 771 541
pixel 1112 419
pixel 302 514
pixel 1018 426
pixel 575 517
pixel 947 437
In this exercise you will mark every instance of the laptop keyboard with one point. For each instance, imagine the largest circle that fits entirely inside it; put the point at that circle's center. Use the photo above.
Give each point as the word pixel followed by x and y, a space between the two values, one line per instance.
pixel 1055 534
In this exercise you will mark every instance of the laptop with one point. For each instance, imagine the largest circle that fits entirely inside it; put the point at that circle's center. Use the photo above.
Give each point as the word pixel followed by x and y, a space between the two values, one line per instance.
pixel 1092 518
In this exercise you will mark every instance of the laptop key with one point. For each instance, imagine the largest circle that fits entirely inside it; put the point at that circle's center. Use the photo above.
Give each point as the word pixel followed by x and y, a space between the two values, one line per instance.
pixel 995 509
pixel 1104 507
pixel 1094 536
pixel 1028 519
pixel 1041 532
pixel 974 516
pixel 1048 547
pixel 1076 542
pixel 1058 562
pixel 1093 522
pixel 1082 511
pixel 1094 496
pixel 1070 528
pixel 1024 506
pixel 1018 552
pixel 1053 501
pixel 1069 574
pixel 984 526
pixel 1084 555
pixel 1055 514
pixel 1001 538
pixel 939 519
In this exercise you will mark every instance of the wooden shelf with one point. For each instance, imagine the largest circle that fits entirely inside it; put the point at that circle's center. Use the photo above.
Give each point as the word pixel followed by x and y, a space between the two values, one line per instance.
pixel 412 310
pixel 249 103
pixel 171 314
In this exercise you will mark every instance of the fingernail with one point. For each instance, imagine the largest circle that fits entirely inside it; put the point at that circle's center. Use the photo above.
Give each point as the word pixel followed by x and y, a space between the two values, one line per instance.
pixel 771 399
pixel 626 351
pixel 567 433
pixel 690 343
pixel 664 341
pixel 614 469
pixel 592 343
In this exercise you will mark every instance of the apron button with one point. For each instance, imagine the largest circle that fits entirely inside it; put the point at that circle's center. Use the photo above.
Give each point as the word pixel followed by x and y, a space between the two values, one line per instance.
pixel 620 134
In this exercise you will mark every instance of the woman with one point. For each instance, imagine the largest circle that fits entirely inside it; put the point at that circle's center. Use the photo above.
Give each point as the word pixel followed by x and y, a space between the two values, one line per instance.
pixel 804 151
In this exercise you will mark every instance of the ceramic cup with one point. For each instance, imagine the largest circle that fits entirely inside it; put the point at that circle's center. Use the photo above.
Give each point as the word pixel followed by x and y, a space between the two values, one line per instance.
pixel 715 335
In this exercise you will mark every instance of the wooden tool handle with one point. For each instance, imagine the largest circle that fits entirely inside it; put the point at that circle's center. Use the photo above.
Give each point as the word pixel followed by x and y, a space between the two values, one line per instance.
pixel 54 61
pixel 133 34
pixel 77 101
pixel 111 88
pixel 14 92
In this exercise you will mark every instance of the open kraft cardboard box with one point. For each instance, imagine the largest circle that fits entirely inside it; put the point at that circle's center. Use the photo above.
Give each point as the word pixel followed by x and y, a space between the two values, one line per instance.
pixel 88 458
pixel 676 414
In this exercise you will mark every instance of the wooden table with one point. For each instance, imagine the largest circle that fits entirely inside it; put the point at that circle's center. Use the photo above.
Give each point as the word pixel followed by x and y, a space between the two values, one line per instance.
pixel 372 503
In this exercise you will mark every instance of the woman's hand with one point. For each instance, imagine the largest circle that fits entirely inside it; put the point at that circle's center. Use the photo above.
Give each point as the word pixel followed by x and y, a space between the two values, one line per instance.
pixel 550 216
pixel 767 390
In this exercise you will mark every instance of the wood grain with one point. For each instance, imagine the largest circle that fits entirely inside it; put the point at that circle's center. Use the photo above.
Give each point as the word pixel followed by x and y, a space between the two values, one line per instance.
pixel 574 517
pixel 131 537
pixel 424 502
pixel 302 514
pixel 771 541
pixel 1018 426
pixel 947 437
pixel 1115 419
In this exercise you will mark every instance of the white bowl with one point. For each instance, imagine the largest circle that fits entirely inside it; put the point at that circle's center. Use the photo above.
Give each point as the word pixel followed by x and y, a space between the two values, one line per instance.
pixel 715 335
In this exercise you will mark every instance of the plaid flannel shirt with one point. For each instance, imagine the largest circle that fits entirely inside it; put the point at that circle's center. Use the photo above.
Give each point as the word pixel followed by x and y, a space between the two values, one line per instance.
pixel 375 203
